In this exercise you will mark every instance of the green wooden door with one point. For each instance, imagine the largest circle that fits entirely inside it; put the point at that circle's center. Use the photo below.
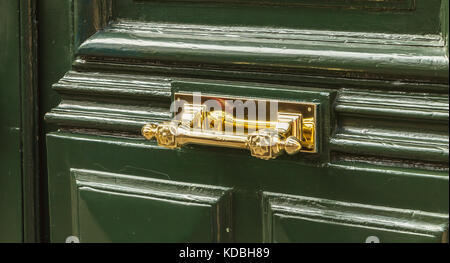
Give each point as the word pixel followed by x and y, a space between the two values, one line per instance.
pixel 19 163
pixel 377 71
pixel 10 175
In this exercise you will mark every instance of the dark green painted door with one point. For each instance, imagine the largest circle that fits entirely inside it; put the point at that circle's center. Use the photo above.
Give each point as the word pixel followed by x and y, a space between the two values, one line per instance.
pixel 19 167
pixel 10 161
pixel 378 72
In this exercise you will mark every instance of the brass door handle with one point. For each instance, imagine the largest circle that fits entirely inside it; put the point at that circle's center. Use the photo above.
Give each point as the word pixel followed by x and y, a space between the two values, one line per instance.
pixel 264 144
pixel 290 133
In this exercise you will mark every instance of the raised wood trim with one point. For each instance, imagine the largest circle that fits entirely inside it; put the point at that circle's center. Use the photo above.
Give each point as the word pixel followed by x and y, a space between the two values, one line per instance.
pixel 392 124
pixel 372 124
pixel 319 53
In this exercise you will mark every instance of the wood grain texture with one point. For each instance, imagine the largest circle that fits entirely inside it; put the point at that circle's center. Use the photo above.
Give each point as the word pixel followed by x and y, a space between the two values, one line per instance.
pixel 31 172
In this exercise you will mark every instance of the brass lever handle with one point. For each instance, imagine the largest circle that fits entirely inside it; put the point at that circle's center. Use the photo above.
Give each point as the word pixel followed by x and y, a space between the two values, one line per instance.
pixel 294 129
pixel 264 144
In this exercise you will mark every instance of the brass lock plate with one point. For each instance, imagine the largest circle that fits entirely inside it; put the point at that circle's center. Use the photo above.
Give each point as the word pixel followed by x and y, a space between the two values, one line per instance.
pixel 298 119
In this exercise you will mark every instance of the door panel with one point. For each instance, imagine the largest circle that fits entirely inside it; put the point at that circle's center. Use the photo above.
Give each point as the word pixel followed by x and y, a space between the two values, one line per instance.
pixel 120 208
pixel 305 219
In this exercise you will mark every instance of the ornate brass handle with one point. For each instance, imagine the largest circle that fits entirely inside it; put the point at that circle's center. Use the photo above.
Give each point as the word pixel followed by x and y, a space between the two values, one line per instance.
pixel 290 133
pixel 264 144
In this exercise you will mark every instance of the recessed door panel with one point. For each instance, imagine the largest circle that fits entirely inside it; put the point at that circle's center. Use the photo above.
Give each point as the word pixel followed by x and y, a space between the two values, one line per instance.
pixel 109 207
pixel 309 220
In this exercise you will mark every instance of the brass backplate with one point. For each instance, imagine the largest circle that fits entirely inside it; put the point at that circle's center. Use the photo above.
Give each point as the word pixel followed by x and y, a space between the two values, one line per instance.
pixel 306 109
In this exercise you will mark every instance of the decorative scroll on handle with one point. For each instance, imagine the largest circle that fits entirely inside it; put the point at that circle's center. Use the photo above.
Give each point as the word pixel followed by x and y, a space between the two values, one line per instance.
pixel 290 133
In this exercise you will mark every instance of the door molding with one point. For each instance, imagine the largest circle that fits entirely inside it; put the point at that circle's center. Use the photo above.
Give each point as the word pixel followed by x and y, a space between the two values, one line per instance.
pixel 30 125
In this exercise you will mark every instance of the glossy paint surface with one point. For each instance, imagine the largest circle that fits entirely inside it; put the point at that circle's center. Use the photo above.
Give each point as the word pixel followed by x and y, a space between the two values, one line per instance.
pixel 382 86
pixel 382 90
pixel 341 54
pixel 247 178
